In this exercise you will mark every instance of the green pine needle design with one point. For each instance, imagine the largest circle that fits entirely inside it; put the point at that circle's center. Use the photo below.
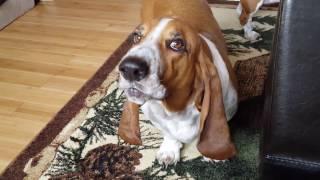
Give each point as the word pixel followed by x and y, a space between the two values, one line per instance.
pixel 105 122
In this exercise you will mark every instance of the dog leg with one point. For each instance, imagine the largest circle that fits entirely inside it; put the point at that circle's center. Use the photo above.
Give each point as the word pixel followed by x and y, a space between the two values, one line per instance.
pixel 169 152
pixel 246 13
pixel 239 9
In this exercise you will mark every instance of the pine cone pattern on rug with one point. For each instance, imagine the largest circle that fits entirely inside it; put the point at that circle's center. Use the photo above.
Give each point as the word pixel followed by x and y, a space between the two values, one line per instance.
pixel 107 162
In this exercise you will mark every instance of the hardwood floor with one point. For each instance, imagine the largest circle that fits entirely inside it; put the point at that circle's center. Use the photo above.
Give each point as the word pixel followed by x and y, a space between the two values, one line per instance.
pixel 47 55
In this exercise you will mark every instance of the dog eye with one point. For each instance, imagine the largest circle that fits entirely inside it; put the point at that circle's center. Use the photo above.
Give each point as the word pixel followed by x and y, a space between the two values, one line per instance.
pixel 136 37
pixel 176 45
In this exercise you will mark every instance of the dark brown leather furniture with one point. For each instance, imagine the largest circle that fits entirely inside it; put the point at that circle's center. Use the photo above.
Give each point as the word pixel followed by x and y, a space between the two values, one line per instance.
pixel 290 147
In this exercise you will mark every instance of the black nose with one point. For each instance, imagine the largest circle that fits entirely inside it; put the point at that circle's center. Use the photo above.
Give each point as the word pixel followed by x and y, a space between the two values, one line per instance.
pixel 134 69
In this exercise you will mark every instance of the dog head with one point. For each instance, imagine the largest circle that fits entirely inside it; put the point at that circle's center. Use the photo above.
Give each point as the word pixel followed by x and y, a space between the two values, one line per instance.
pixel 161 60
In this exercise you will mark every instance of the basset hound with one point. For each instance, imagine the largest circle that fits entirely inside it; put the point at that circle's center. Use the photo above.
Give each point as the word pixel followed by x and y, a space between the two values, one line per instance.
pixel 178 71
pixel 246 9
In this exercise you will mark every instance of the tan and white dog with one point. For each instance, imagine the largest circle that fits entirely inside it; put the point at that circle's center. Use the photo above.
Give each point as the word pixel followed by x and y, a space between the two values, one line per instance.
pixel 246 9
pixel 179 72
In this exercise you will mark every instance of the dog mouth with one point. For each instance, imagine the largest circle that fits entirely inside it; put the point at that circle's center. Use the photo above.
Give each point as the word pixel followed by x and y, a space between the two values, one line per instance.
pixel 140 93
pixel 133 92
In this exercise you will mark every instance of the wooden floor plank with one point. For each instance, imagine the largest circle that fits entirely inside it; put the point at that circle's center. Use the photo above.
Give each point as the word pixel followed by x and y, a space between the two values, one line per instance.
pixel 28 78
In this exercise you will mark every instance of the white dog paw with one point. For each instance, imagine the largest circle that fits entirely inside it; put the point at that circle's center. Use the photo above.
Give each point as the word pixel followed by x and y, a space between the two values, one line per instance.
pixel 252 36
pixel 206 159
pixel 169 152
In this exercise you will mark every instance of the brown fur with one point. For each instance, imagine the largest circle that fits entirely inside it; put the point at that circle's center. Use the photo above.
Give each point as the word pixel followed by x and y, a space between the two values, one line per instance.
pixel 179 70
pixel 129 129
pixel 196 14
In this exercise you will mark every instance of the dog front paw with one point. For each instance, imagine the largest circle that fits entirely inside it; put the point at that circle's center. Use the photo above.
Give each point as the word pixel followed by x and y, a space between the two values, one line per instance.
pixel 169 152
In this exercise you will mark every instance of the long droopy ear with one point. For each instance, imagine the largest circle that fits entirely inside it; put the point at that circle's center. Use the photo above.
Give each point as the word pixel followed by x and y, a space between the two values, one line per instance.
pixel 129 129
pixel 215 141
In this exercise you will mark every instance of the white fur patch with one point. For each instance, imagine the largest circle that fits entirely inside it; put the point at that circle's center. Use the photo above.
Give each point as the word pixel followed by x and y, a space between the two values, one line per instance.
pixel 239 9
pixel 176 127
pixel 230 96
pixel 182 126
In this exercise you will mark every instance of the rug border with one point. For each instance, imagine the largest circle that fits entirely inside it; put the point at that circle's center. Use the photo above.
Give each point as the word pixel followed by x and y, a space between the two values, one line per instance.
pixel 15 169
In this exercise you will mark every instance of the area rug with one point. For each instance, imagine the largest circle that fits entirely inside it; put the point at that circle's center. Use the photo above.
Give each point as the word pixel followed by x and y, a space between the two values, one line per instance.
pixel 81 141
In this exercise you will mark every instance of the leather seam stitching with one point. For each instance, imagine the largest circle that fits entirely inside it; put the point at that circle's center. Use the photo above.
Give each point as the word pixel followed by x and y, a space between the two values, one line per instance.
pixel 292 161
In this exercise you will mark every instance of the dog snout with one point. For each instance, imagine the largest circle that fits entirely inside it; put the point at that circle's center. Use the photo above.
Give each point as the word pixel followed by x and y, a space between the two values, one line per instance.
pixel 134 69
